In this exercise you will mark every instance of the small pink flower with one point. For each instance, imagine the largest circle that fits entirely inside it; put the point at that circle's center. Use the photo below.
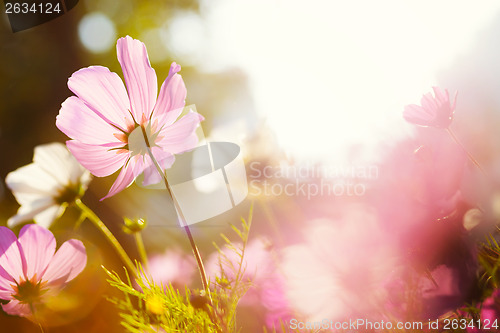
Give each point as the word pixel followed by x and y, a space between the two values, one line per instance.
pixel 436 111
pixel 173 266
pixel 111 129
pixel 30 266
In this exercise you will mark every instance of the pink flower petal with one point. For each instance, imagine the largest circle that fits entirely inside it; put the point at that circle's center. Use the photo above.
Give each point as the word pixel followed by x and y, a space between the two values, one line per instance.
pixel 38 246
pixel 6 283
pixel 16 308
pixel 6 294
pixel 11 259
pixel 417 115
pixel 79 122
pixel 104 93
pixel 429 103
pixel 440 96
pixel 140 78
pixel 124 179
pixel 101 161
pixel 69 261
pixel 435 111
pixel 172 98
pixel 180 136
pixel 453 105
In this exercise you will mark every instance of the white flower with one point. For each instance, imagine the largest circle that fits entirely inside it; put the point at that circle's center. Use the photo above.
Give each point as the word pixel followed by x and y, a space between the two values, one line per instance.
pixel 45 187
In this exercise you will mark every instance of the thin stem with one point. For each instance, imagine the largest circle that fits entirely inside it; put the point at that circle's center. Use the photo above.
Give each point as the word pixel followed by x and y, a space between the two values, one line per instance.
pixel 80 220
pixel 272 219
pixel 199 261
pixel 32 309
pixel 141 249
pixel 469 155
pixel 194 248
pixel 107 233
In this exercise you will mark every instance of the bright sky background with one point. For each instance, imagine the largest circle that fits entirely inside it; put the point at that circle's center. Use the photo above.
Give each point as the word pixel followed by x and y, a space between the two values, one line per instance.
pixel 327 74
pixel 324 74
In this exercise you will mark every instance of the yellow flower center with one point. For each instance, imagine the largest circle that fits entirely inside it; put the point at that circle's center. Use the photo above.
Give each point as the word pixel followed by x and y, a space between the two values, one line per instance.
pixel 29 291
pixel 141 139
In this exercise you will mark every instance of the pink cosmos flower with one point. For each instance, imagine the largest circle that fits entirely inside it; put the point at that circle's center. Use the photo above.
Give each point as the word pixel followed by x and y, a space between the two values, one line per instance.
pixel 30 267
pixel 436 111
pixel 339 271
pixel 111 129
pixel 173 266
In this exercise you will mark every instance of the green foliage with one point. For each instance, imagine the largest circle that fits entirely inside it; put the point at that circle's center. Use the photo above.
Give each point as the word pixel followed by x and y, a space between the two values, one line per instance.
pixel 489 258
pixel 158 308
pixel 230 285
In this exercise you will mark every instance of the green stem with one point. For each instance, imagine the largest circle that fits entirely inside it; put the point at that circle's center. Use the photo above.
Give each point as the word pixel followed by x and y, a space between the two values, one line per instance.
pixel 142 250
pixel 107 233
pixel 194 248
pixel 32 309
pixel 469 155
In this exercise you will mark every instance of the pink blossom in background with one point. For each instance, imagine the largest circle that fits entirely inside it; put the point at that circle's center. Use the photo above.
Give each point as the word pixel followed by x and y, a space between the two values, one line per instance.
pixel 338 271
pixel 174 267
pixel 420 199
pixel 30 267
pixel 268 284
pixel 108 127
pixel 435 111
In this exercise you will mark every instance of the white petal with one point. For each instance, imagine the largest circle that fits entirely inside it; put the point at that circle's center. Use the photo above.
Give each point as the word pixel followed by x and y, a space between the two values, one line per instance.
pixel 31 180
pixel 49 215
pixel 29 210
pixel 56 160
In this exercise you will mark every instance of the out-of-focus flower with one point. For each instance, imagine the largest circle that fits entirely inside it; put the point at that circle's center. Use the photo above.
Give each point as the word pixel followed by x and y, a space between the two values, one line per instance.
pixel 268 284
pixel 30 267
pixel 435 111
pixel 339 271
pixel 413 293
pixel 46 186
pixel 173 267
pixel 112 130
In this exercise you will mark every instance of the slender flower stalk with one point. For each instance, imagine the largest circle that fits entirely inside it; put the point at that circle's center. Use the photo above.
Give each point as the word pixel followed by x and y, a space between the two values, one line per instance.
pixel 142 249
pixel 469 155
pixel 92 217
pixel 194 248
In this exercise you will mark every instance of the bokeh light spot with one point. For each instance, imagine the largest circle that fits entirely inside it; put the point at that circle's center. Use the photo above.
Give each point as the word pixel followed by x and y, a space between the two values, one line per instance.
pixel 97 32
pixel 185 36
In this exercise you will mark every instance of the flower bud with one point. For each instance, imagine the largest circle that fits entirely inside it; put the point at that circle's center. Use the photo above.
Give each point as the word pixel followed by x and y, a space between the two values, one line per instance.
pixel 133 226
